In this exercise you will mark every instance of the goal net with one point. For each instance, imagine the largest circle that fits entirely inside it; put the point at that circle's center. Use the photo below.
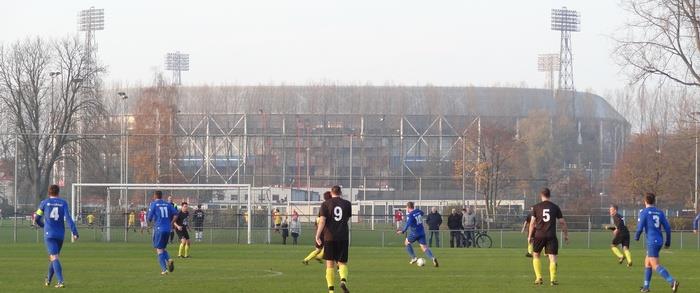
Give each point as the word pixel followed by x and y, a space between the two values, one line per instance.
pixel 233 213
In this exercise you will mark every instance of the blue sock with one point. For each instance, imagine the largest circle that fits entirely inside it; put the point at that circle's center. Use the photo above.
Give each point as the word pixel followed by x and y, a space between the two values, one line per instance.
pixel 161 261
pixel 647 277
pixel 166 255
pixel 49 276
pixel 409 249
pixel 665 274
pixel 58 270
pixel 429 253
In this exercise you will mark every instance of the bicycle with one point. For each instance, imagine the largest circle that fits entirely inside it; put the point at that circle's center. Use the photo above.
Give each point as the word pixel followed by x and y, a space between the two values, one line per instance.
pixel 482 239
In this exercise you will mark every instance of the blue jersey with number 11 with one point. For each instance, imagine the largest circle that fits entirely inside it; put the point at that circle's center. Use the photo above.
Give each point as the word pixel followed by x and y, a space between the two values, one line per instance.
pixel 651 220
pixel 162 212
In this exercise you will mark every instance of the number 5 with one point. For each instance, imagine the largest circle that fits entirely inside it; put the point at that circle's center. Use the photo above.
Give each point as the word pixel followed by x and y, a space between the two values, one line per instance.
pixel 545 215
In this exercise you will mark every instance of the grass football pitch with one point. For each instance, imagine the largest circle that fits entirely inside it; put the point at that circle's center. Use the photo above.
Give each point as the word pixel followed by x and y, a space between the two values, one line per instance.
pixel 132 267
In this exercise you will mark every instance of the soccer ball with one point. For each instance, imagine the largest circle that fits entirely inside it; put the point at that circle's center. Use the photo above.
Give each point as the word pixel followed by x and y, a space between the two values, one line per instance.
pixel 420 262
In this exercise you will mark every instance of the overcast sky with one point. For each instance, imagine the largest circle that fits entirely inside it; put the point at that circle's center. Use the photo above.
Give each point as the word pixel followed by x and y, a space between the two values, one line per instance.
pixel 440 42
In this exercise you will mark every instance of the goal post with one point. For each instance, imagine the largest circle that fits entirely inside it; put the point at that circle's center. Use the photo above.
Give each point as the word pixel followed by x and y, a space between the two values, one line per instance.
pixel 76 200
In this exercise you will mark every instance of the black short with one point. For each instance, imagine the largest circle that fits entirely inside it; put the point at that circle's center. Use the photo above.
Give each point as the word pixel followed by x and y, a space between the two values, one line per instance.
pixel 550 245
pixel 622 238
pixel 336 250
pixel 198 228
pixel 183 233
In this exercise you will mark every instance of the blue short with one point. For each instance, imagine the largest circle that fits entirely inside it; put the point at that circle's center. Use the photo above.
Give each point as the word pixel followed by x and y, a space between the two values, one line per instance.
pixel 420 238
pixel 53 245
pixel 653 249
pixel 160 239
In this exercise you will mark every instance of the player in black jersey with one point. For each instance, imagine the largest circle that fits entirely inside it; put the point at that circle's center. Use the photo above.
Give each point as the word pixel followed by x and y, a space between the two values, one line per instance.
pixel 543 234
pixel 317 253
pixel 621 236
pixel 198 219
pixel 333 224
pixel 180 222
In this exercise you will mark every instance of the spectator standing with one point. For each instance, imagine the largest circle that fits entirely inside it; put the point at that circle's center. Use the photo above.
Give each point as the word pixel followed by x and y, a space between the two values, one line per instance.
pixel 469 225
pixel 285 231
pixel 454 223
pixel 295 227
pixel 434 221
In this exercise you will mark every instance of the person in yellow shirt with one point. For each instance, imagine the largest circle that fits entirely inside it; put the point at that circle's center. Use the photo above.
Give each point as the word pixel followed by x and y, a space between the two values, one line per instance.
pixel 91 220
pixel 132 221
pixel 277 217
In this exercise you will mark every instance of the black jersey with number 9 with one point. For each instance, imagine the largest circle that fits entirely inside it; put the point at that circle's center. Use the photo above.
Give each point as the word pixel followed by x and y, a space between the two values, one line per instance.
pixel 546 216
pixel 337 211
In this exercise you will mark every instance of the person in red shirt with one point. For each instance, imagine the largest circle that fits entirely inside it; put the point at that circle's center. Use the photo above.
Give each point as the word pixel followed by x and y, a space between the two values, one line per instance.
pixel 144 223
pixel 398 218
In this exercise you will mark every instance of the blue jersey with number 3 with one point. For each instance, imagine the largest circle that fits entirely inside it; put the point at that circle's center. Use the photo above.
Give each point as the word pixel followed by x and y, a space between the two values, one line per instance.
pixel 414 221
pixel 651 220
pixel 55 212
pixel 162 212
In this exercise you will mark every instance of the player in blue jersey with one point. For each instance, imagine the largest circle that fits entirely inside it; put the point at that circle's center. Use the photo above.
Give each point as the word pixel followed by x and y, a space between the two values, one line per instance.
pixel 162 212
pixel 57 213
pixel 696 221
pixel 414 222
pixel 651 220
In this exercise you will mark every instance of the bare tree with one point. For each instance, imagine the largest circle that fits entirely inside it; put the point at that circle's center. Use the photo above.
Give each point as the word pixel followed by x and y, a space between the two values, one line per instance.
pixel 662 39
pixel 43 118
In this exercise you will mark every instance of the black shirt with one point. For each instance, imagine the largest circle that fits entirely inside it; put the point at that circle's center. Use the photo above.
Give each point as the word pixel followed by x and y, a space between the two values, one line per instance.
pixel 528 218
pixel 546 215
pixel 620 224
pixel 182 218
pixel 434 221
pixel 198 218
pixel 454 221
pixel 337 211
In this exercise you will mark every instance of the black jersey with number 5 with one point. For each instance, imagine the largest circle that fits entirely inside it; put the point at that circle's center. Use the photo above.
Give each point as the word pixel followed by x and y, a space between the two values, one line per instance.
pixel 337 211
pixel 546 215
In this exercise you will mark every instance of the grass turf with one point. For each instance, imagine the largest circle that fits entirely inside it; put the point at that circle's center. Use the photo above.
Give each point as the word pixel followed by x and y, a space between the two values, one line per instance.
pixel 132 267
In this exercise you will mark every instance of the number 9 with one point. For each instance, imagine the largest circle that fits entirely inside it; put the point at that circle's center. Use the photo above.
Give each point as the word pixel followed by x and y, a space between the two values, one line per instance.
pixel 338 213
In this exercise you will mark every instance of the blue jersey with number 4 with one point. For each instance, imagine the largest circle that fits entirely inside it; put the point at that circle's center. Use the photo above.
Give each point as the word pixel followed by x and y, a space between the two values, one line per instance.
pixel 162 212
pixel 651 220
pixel 414 221
pixel 55 212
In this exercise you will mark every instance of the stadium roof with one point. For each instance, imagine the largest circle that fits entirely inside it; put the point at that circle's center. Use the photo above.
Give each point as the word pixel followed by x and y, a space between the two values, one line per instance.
pixel 392 100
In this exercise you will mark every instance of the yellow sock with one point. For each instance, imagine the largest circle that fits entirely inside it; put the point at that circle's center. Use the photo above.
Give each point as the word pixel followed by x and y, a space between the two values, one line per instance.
pixel 552 271
pixel 330 274
pixel 187 250
pixel 182 247
pixel 343 271
pixel 529 248
pixel 617 252
pixel 537 265
pixel 312 255
pixel 320 254
pixel 628 256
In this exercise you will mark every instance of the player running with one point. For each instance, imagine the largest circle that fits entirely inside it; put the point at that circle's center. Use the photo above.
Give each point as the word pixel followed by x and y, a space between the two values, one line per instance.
pixel 180 223
pixel 414 221
pixel 317 253
pixel 198 219
pixel 333 224
pixel 54 230
pixel 526 227
pixel 543 234
pixel 621 237
pixel 650 221
pixel 162 213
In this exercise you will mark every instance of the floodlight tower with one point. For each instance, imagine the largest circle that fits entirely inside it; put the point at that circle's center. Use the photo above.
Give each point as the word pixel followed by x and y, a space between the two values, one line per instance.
pixel 548 63
pixel 566 21
pixel 89 21
pixel 177 63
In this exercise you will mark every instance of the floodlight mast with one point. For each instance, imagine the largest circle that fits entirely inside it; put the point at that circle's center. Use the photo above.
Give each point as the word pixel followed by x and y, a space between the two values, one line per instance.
pixel 566 21
pixel 177 63
pixel 548 63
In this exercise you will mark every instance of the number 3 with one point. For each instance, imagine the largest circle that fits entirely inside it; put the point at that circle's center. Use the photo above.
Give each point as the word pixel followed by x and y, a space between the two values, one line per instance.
pixel 656 221
pixel 338 213
pixel 545 215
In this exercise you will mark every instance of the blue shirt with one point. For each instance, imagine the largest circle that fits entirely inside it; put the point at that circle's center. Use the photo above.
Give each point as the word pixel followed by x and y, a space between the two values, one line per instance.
pixel 695 222
pixel 414 221
pixel 56 213
pixel 651 220
pixel 162 212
